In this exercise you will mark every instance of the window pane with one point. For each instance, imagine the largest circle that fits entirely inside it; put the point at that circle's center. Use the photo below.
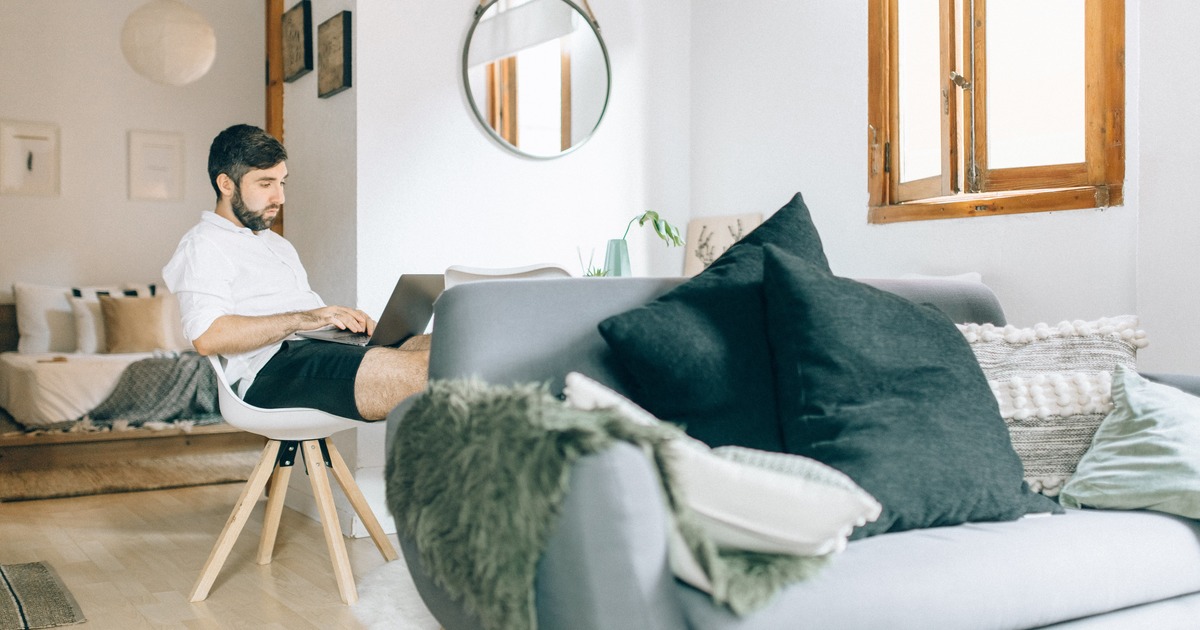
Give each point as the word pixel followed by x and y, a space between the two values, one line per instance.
pixel 920 92
pixel 1035 83
pixel 539 98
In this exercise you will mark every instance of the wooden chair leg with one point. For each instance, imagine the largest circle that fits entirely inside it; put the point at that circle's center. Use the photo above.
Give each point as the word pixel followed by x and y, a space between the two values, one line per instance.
pixel 345 479
pixel 323 494
pixel 237 519
pixel 279 486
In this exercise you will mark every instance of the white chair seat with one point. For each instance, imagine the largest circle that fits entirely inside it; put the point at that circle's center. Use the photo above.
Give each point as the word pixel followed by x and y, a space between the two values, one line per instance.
pixel 292 423
pixel 458 274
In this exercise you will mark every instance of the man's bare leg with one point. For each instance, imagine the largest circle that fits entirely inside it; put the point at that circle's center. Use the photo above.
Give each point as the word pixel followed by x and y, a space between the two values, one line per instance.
pixel 389 375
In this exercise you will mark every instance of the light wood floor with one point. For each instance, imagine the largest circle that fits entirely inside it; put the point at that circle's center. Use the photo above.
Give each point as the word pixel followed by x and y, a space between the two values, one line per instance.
pixel 131 559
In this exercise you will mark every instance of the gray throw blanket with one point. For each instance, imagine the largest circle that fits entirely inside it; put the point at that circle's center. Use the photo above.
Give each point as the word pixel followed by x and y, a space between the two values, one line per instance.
pixel 475 477
pixel 162 389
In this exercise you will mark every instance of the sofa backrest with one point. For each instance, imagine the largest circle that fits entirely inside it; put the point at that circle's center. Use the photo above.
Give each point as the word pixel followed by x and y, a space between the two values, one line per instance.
pixel 512 331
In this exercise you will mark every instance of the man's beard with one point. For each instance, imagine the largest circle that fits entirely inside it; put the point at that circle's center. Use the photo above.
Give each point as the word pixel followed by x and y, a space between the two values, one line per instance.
pixel 252 219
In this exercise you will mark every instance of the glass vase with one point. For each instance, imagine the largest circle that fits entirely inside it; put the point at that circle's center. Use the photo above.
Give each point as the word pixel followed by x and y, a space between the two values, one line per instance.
pixel 616 258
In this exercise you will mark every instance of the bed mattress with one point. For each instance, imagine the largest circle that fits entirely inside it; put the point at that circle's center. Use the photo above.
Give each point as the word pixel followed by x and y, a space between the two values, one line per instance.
pixel 44 389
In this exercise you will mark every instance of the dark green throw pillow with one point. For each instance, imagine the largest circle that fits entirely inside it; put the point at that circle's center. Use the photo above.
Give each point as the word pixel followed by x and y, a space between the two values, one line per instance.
pixel 698 355
pixel 889 392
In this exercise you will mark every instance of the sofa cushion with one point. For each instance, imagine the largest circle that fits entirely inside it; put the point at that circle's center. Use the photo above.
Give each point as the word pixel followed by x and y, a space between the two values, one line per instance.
pixel 1053 386
pixel 888 392
pixel 1146 453
pixel 698 355
pixel 1027 573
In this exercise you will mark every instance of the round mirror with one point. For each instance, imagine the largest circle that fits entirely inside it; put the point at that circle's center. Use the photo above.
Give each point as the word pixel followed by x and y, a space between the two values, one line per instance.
pixel 537 75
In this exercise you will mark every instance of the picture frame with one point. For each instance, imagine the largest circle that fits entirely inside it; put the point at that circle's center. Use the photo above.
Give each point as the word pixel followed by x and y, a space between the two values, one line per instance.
pixel 29 159
pixel 709 237
pixel 155 166
pixel 296 32
pixel 333 55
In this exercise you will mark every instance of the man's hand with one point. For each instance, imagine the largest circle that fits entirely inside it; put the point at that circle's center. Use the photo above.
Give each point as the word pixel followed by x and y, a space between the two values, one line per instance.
pixel 234 334
pixel 341 317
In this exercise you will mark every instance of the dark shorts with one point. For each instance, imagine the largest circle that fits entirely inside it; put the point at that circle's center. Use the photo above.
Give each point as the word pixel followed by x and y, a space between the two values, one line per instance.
pixel 313 374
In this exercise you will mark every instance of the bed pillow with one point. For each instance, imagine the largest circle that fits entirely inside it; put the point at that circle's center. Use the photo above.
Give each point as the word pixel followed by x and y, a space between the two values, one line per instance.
pixel 134 324
pixel 1146 453
pixel 749 499
pixel 697 356
pixel 1053 385
pixel 89 323
pixel 888 392
pixel 44 320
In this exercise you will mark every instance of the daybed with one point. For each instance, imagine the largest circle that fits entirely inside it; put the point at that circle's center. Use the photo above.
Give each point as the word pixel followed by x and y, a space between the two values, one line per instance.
pixel 54 370
pixel 61 365
pixel 606 562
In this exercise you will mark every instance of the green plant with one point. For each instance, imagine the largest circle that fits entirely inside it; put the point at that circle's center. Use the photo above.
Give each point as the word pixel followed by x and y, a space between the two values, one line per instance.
pixel 667 232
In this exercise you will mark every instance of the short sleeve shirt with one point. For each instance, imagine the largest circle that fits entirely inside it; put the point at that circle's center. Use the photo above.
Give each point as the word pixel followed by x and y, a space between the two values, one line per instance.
pixel 222 269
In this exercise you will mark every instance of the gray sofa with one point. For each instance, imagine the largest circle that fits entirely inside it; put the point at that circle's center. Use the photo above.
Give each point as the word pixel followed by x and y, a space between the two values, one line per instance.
pixel 606 567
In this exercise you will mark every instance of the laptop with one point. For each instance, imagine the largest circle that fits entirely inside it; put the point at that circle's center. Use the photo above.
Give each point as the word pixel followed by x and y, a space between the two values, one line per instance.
pixel 407 313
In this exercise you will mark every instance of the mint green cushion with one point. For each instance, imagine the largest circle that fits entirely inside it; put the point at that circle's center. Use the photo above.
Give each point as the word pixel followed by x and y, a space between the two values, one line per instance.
pixel 1146 453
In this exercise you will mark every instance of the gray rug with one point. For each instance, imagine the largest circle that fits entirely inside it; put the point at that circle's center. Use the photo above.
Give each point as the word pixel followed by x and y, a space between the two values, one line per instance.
pixel 32 596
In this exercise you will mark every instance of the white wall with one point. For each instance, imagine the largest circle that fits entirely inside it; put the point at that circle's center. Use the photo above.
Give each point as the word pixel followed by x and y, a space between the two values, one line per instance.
pixel 1168 234
pixel 61 63
pixel 321 135
pixel 435 190
pixel 779 106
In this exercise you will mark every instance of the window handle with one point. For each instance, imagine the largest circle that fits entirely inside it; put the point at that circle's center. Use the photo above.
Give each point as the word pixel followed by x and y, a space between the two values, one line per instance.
pixel 959 80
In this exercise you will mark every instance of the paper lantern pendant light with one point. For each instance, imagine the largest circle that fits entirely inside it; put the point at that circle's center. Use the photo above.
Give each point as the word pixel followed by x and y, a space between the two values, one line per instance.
pixel 169 42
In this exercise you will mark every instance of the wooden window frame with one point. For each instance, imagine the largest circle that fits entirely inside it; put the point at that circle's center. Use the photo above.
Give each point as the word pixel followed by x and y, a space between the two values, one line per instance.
pixel 1095 183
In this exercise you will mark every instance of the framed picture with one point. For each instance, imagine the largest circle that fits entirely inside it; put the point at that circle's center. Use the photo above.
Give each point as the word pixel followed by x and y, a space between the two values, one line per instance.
pixel 155 166
pixel 333 55
pixel 29 159
pixel 297 41
pixel 709 237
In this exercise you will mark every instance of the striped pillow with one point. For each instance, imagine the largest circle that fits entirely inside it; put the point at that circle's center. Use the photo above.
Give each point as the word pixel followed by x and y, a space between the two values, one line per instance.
pixel 1053 384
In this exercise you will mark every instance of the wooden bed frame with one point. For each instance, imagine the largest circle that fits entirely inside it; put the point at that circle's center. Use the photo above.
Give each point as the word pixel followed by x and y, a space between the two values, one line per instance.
pixel 21 451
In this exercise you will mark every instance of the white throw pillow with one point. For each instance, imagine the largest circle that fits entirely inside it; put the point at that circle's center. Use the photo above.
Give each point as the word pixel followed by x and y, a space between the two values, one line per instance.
pixel 747 499
pixel 44 320
pixel 89 325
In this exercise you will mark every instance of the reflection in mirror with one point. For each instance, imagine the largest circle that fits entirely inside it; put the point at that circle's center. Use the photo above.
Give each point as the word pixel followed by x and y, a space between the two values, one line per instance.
pixel 537 74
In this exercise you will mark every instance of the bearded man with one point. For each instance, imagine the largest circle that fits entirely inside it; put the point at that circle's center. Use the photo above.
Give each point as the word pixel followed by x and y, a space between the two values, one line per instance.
pixel 244 294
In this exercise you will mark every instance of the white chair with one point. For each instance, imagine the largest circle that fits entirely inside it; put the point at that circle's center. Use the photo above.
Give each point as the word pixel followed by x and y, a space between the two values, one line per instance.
pixel 458 274
pixel 288 431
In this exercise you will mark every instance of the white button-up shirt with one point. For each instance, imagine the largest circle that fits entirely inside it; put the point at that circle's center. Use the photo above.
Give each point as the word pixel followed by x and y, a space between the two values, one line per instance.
pixel 222 269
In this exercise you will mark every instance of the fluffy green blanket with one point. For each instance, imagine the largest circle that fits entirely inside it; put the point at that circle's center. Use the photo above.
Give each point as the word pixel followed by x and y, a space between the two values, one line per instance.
pixel 475 477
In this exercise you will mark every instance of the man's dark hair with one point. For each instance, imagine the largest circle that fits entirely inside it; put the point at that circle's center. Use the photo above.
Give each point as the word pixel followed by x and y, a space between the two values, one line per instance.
pixel 241 149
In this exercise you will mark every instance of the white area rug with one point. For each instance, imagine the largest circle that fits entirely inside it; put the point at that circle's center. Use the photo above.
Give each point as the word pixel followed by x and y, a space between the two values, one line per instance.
pixel 388 600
